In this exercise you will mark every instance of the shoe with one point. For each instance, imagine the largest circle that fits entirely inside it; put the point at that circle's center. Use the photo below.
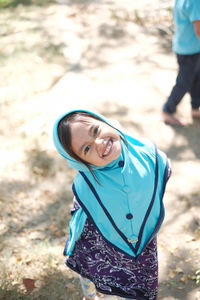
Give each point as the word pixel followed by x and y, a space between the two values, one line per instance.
pixel 195 113
pixel 170 119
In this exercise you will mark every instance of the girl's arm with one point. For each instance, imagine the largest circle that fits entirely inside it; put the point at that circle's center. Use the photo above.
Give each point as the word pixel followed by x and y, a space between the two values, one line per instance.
pixel 196 25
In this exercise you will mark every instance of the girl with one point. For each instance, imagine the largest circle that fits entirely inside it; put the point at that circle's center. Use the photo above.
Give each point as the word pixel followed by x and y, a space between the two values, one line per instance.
pixel 118 207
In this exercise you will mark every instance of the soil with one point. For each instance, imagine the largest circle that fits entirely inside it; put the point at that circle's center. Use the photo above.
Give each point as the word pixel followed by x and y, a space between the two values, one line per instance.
pixel 113 57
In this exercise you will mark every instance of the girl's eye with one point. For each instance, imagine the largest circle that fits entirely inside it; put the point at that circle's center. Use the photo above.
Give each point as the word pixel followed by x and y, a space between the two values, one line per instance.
pixel 96 130
pixel 86 149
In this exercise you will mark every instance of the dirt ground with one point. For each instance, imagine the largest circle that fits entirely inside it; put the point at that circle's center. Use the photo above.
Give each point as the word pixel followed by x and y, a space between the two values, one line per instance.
pixel 113 57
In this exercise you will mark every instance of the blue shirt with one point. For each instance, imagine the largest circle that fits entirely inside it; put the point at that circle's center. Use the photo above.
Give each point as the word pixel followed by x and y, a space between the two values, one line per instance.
pixel 185 13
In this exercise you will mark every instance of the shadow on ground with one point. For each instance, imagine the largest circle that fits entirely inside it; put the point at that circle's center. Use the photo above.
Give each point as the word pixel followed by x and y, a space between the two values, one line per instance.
pixel 53 285
pixel 180 280
pixel 191 134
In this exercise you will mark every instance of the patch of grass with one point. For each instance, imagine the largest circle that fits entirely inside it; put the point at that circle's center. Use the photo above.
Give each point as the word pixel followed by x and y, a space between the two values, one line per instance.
pixel 45 266
pixel 14 3
pixel 12 294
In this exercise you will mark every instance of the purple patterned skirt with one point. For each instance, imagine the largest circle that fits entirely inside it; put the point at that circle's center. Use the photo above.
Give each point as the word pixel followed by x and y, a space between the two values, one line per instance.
pixel 114 272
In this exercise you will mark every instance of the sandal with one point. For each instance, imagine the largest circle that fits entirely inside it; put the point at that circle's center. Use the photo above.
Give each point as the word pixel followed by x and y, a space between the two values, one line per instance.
pixel 195 113
pixel 169 119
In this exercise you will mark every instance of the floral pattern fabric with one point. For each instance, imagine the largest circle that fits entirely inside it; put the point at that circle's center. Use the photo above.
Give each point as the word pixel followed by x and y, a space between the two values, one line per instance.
pixel 114 272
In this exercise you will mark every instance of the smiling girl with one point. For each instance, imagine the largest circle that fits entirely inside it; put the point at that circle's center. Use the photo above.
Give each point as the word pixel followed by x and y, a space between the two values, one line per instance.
pixel 118 207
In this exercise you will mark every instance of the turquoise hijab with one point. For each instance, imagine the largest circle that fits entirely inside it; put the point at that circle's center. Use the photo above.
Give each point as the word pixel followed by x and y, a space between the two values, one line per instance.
pixel 72 163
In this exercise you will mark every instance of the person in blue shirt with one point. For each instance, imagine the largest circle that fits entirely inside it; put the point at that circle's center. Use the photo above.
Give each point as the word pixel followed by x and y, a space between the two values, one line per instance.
pixel 118 206
pixel 186 45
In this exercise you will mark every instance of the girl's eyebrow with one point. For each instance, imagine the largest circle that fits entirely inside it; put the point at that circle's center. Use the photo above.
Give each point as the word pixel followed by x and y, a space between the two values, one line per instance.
pixel 81 149
pixel 91 129
pixel 90 133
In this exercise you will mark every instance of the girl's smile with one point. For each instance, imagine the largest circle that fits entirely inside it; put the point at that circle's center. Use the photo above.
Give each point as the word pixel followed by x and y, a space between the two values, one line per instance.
pixel 94 141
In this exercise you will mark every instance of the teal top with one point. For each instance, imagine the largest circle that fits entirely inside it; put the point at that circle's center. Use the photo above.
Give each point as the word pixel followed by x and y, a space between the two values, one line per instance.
pixel 127 205
pixel 185 40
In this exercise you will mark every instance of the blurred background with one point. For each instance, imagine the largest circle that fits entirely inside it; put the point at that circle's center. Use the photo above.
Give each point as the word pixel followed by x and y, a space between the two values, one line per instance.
pixel 113 57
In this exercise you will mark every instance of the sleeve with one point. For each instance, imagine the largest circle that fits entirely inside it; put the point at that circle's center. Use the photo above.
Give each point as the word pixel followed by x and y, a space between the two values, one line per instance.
pixel 76 206
pixel 76 226
pixel 193 10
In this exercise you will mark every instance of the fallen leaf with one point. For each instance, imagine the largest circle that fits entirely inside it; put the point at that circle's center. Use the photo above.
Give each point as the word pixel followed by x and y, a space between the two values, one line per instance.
pixel 70 286
pixel 172 273
pixel 71 15
pixel 18 259
pixel 29 284
pixel 184 279
pixel 179 270
pixel 28 261
pixel 188 259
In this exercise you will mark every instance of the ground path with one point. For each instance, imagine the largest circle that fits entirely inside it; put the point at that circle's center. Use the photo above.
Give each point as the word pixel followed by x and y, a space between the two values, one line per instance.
pixel 116 59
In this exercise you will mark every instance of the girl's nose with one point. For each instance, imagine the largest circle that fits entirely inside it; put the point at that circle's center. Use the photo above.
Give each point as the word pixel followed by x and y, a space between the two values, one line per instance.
pixel 100 145
pixel 99 141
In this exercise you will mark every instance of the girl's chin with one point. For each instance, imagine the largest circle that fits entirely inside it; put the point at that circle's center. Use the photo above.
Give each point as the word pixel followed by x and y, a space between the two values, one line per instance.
pixel 113 155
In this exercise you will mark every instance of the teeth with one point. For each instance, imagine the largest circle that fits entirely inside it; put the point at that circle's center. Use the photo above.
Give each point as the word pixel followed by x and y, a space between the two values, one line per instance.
pixel 108 148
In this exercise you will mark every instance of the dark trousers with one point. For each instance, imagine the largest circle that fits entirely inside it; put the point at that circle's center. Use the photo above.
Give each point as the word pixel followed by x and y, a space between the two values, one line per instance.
pixel 188 80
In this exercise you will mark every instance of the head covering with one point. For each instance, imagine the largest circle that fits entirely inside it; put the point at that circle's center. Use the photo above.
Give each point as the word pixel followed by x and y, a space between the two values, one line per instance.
pixel 71 161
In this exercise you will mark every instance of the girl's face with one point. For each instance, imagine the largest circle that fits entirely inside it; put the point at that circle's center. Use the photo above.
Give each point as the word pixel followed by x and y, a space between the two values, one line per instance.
pixel 94 141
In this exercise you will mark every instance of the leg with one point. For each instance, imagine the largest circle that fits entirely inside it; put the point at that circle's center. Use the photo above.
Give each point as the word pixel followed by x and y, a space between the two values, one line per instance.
pixel 183 85
pixel 88 288
pixel 195 91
